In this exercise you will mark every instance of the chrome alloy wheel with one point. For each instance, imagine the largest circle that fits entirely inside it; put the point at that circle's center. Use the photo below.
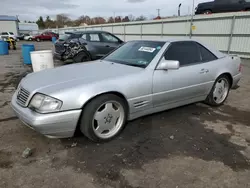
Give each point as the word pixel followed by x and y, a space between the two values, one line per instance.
pixel 108 119
pixel 221 90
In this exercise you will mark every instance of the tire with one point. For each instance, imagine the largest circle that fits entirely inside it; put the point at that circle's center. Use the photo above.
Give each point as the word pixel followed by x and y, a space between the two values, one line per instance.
pixel 207 12
pixel 213 98
pixel 38 39
pixel 30 39
pixel 81 57
pixel 112 112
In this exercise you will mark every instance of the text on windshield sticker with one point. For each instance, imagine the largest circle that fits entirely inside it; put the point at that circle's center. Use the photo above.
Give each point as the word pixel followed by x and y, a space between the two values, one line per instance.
pixel 146 49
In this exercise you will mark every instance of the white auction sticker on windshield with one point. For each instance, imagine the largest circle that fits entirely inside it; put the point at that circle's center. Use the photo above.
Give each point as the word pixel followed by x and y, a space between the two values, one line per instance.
pixel 146 49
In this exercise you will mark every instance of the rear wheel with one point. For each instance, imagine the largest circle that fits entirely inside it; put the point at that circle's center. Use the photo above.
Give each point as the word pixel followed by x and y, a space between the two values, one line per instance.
pixel 219 92
pixel 30 39
pixel 81 57
pixel 103 118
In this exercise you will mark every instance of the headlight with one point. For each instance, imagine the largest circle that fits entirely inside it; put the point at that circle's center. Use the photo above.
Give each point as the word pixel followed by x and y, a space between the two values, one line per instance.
pixel 45 104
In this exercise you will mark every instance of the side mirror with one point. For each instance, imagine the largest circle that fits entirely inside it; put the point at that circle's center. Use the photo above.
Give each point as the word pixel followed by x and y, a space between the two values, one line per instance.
pixel 168 64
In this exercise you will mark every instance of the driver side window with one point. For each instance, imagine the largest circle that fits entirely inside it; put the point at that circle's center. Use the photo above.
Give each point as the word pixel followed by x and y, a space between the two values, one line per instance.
pixel 186 52
pixel 108 38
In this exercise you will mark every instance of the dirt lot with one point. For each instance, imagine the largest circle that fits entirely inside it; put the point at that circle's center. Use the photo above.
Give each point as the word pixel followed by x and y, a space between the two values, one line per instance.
pixel 193 146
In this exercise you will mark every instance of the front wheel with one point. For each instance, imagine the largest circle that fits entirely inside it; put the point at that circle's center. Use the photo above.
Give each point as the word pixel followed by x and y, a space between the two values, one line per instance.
pixel 104 118
pixel 207 12
pixel 38 39
pixel 219 92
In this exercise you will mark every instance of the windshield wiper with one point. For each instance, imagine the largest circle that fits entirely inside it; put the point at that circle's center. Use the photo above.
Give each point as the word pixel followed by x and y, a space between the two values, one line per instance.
pixel 135 65
pixel 125 63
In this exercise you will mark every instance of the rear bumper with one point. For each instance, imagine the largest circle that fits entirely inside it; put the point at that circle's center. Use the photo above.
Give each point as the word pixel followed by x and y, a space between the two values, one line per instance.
pixel 236 80
pixel 53 125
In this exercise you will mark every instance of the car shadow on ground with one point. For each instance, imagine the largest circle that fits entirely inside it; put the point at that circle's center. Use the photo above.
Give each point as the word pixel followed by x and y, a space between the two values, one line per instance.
pixel 178 132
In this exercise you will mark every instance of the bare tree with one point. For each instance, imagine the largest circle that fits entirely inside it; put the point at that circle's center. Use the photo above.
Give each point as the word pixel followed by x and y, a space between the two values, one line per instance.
pixel 141 18
pixel 126 19
pixel 131 17
pixel 62 19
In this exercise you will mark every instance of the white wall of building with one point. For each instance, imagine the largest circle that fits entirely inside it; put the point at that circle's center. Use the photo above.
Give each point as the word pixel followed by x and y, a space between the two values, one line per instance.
pixel 8 26
pixel 27 27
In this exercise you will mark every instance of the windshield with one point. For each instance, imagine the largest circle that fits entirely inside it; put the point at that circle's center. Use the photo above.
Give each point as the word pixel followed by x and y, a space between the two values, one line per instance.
pixel 11 33
pixel 136 53
pixel 63 37
pixel 67 36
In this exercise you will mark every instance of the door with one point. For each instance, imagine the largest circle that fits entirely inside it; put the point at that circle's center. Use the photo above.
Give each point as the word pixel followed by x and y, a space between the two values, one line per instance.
pixel 5 34
pixel 228 5
pixel 46 36
pixel 210 65
pixel 236 5
pixel 110 42
pixel 95 42
pixel 184 84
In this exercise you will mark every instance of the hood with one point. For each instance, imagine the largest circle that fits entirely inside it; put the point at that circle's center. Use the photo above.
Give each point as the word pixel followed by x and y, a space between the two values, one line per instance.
pixel 76 74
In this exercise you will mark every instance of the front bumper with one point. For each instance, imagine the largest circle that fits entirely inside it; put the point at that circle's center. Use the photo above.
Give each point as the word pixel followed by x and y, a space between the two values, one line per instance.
pixel 53 125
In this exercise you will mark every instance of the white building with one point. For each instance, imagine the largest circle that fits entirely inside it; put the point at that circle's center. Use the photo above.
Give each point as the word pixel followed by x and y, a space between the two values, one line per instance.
pixel 8 24
pixel 28 27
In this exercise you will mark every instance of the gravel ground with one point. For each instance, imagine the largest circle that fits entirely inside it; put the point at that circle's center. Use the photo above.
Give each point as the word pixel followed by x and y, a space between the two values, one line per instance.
pixel 193 146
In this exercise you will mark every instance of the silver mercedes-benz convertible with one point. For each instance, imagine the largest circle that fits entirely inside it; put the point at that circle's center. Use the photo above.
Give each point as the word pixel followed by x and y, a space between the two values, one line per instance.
pixel 137 79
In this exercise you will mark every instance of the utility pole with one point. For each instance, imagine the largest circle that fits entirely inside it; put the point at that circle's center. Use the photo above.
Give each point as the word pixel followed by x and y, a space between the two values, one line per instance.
pixel 158 11
pixel 114 17
pixel 192 18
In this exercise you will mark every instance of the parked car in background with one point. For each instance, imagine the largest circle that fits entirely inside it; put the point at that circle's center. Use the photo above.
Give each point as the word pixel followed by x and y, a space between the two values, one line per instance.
pixel 45 36
pixel 28 37
pixel 137 79
pixel 86 45
pixel 218 6
pixel 8 34
pixel 20 36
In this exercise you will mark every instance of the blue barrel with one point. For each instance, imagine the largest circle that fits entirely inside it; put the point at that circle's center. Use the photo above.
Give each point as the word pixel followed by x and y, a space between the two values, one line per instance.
pixel 54 40
pixel 4 50
pixel 26 49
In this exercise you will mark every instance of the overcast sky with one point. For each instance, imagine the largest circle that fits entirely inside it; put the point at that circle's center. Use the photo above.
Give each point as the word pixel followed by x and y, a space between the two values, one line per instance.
pixel 31 9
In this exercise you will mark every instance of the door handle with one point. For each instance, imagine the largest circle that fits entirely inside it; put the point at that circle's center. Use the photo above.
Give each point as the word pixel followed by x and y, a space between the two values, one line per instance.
pixel 204 71
pixel 107 46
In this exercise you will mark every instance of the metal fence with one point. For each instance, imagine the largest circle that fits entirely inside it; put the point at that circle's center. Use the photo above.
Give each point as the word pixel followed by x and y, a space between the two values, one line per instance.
pixel 228 32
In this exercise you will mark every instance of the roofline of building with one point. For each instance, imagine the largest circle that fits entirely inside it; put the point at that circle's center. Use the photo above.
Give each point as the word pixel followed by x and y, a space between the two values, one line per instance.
pixel 7 18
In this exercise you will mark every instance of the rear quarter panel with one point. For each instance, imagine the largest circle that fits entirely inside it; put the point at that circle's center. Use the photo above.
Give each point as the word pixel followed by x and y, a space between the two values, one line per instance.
pixel 227 64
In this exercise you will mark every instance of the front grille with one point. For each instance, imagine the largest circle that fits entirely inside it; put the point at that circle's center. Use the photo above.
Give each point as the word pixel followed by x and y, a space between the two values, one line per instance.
pixel 22 96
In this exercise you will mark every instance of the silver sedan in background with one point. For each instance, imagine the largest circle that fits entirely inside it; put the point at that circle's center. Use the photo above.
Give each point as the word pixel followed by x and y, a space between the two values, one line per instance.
pixel 137 79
